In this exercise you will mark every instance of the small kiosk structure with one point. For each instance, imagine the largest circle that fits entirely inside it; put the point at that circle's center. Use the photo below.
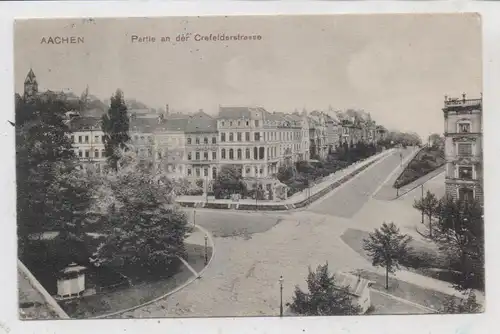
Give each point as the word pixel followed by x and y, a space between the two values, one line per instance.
pixel 71 282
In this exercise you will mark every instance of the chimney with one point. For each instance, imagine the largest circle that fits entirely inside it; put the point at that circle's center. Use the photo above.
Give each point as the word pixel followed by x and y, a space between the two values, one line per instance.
pixel 463 96
pixel 445 98
pixel 167 111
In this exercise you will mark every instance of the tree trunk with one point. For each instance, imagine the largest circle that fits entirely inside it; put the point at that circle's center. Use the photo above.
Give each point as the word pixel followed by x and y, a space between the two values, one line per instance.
pixel 387 277
pixel 430 225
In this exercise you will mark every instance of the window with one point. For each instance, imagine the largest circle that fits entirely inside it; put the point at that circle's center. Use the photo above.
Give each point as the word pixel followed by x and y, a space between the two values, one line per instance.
pixel 239 123
pixel 205 155
pixel 189 141
pixel 189 156
pixel 96 153
pixel 96 139
pixel 87 153
pixel 80 154
pixel 465 194
pixel 238 135
pixel 247 136
pixel 223 153
pixel 102 139
pixel 205 171
pixel 214 140
pixel 256 136
pixel 197 155
pixel 261 171
pixel 255 155
pixel 79 139
pixel 223 136
pixel 205 140
pixel 247 123
pixel 214 155
pixel 150 152
pixel 247 170
pixel 261 153
pixel 72 139
pixel 464 149
pixel 214 172
pixel 197 141
pixel 231 136
pixel 222 123
pixel 86 139
pixel 239 154
pixel 256 123
pixel 189 172
pixel 247 153
pixel 230 123
pixel 465 172
pixel 464 127
pixel 103 153
pixel 197 171
pixel 231 154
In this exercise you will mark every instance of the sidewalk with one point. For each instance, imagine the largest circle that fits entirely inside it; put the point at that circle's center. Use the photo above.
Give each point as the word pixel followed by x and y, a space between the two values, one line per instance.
pixel 293 200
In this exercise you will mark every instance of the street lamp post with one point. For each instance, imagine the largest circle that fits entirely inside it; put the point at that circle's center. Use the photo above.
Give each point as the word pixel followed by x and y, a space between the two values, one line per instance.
pixel 281 296
pixel 206 253
pixel 194 217
pixel 422 197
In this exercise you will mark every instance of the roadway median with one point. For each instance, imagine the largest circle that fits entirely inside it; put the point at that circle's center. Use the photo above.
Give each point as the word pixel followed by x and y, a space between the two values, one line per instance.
pixel 296 201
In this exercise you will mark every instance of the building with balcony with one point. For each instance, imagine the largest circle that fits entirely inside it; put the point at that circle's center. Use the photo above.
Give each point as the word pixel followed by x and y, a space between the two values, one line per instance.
pixel 463 147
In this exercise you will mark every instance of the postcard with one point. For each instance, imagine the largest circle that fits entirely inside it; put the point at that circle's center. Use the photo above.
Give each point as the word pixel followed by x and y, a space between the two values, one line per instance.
pixel 224 166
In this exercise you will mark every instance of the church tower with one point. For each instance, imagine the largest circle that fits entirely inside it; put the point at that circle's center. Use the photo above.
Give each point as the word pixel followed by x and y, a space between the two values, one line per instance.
pixel 30 85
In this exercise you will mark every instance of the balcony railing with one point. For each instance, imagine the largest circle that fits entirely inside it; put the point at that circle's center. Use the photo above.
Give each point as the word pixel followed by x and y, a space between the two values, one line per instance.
pixel 462 102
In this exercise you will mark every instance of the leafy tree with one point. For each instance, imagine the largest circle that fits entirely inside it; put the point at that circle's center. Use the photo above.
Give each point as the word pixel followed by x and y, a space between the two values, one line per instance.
pixel 143 228
pixel 428 205
pixel 468 305
pixel 325 296
pixel 460 234
pixel 229 181
pixel 51 194
pixel 387 248
pixel 115 125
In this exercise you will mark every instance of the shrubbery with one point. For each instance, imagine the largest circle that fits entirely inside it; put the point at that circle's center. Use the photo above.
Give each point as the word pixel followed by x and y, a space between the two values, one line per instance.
pixel 426 161
pixel 304 173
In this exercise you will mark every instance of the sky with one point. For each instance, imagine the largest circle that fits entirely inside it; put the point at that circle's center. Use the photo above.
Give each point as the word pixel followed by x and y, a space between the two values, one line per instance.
pixel 397 67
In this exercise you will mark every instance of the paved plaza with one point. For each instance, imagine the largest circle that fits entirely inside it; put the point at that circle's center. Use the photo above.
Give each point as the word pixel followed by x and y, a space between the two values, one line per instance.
pixel 253 249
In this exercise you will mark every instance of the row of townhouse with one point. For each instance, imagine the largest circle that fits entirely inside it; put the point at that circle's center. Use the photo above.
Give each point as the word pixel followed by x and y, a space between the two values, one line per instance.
pixel 254 140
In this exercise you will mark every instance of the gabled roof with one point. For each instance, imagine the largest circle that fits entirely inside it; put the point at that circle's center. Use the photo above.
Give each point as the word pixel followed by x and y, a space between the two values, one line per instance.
pixel 356 285
pixel 201 122
pixel 241 112
pixel 84 123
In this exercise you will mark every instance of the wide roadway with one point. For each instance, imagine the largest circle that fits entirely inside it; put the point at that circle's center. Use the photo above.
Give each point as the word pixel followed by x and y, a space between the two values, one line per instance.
pixel 252 250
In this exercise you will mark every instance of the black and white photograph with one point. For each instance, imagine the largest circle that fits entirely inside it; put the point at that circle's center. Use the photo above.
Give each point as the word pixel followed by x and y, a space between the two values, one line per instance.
pixel 249 166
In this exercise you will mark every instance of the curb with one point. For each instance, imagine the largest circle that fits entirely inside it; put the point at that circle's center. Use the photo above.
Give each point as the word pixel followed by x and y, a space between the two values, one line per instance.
pixel 48 298
pixel 177 289
pixel 301 203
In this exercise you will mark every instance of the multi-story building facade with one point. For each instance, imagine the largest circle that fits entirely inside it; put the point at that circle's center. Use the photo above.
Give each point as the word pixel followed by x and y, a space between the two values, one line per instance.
pixel 87 138
pixel 201 148
pixel 318 147
pixel 463 147
pixel 333 132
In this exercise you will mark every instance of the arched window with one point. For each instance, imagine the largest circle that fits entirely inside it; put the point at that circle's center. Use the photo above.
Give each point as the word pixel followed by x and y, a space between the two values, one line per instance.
pixel 261 153
pixel 231 154
pixel 247 153
pixel 239 154
pixel 231 136
pixel 223 153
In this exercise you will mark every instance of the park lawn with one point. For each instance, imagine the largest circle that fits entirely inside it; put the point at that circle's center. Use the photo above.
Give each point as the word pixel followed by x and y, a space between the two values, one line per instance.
pixel 382 304
pixel 426 161
pixel 422 260
pixel 411 292
pixel 130 296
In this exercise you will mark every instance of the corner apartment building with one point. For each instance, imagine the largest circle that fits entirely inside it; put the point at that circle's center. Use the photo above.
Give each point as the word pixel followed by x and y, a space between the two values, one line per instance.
pixel 463 147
